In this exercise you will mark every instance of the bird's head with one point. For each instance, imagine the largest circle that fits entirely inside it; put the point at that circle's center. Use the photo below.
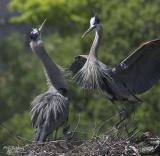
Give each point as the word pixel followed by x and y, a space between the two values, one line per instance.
pixel 94 23
pixel 35 33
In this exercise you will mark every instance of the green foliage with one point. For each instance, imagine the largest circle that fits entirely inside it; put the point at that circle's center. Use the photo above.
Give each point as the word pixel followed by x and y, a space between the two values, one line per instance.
pixel 17 130
pixel 127 24
pixel 65 13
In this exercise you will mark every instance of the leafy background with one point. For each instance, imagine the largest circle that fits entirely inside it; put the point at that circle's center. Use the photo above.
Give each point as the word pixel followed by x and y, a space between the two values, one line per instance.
pixel 127 24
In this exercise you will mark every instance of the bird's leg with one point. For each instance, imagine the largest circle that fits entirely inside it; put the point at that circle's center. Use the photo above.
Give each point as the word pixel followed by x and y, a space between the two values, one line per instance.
pixel 49 137
pixel 56 132
pixel 67 134
pixel 118 125
pixel 129 124
pixel 122 117
pixel 123 125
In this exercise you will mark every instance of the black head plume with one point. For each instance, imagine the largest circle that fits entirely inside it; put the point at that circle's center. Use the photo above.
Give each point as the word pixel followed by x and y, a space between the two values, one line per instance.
pixel 95 13
pixel 94 20
pixel 97 19
pixel 34 34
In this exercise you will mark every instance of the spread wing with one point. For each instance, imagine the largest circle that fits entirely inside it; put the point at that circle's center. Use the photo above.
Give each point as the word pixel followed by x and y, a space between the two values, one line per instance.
pixel 140 70
pixel 78 64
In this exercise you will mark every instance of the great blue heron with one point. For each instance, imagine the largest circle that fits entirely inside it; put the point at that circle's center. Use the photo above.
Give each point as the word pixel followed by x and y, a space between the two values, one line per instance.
pixel 50 110
pixel 134 75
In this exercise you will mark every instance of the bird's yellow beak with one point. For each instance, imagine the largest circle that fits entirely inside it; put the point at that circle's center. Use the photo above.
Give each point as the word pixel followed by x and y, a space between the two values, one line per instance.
pixel 88 31
pixel 42 25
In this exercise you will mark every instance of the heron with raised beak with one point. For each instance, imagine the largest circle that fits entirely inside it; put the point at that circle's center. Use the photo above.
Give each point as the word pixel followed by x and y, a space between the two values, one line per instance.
pixel 50 109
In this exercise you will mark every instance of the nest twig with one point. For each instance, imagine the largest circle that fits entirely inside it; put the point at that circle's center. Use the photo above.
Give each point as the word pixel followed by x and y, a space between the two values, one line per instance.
pixel 110 145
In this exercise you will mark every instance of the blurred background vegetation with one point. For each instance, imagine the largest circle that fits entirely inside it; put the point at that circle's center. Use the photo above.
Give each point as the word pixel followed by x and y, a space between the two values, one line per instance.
pixel 126 23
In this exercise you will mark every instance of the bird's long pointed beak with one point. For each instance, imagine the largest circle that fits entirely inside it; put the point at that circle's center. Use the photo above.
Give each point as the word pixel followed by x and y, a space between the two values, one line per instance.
pixel 42 25
pixel 88 31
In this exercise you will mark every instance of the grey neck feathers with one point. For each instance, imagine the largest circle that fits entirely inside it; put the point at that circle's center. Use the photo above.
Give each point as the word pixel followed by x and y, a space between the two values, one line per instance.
pixel 96 42
pixel 53 72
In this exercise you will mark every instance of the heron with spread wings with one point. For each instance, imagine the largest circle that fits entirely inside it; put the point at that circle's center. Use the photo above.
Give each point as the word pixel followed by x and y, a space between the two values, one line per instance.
pixel 50 109
pixel 133 76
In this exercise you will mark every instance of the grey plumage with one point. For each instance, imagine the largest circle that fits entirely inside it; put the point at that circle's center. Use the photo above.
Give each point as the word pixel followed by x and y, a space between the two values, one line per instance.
pixel 140 70
pixel 50 110
pixel 135 75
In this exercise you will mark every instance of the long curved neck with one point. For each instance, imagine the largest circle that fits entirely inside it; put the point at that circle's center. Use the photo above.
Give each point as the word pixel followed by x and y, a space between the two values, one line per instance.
pixel 51 68
pixel 96 42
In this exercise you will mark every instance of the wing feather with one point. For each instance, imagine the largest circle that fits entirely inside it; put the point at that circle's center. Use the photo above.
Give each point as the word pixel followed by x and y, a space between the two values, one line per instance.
pixel 140 70
pixel 77 64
